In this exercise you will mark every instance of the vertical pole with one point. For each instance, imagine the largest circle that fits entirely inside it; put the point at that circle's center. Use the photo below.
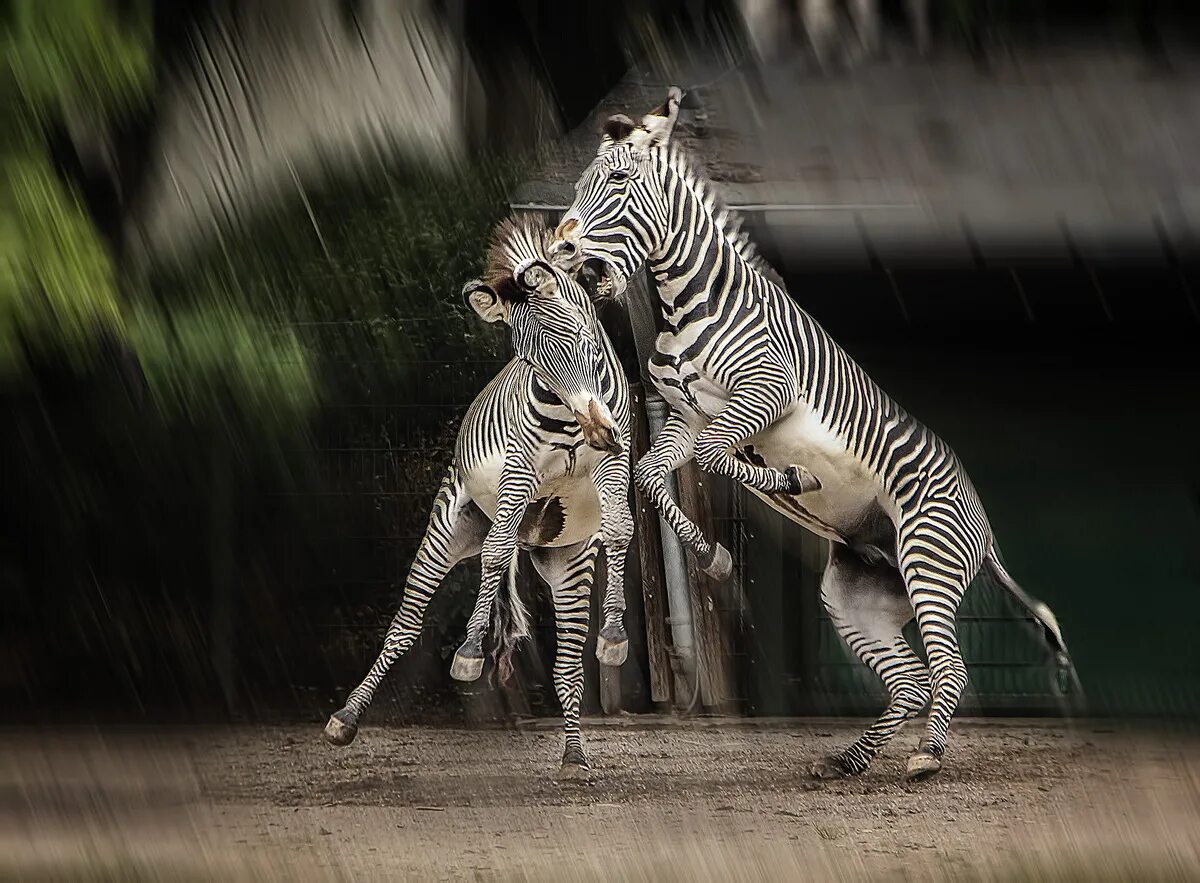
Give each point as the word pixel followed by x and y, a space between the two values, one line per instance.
pixel 802 586
pixel 712 643
pixel 650 559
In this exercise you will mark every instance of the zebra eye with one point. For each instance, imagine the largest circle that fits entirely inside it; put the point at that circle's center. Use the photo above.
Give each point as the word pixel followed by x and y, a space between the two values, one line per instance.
pixel 618 176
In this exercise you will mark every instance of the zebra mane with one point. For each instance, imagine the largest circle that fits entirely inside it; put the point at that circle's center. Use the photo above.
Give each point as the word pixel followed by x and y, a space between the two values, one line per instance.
pixel 727 220
pixel 512 241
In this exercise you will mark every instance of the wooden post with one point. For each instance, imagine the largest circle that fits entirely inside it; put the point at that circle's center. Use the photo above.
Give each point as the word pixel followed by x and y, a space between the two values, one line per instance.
pixel 712 642
pixel 650 559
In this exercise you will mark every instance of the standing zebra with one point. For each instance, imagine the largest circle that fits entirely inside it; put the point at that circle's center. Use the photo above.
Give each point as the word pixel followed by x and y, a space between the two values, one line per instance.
pixel 746 370
pixel 540 464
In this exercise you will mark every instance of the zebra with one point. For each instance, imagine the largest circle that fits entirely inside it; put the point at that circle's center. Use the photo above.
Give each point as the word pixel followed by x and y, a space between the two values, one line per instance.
pixel 757 388
pixel 539 463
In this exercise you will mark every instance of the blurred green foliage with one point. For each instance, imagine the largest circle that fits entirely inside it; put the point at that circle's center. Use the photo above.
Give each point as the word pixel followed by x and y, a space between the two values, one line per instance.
pixel 62 60
pixel 79 65
pixel 77 57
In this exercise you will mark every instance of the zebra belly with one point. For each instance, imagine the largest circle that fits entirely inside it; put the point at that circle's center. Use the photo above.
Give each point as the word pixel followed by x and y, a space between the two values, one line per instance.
pixel 580 507
pixel 565 510
pixel 850 494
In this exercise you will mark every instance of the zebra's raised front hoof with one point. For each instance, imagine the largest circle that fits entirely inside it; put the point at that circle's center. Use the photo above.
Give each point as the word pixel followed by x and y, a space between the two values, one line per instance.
pixel 612 647
pixel 342 728
pixel 467 664
pixel 831 766
pixel 922 765
pixel 721 565
pixel 801 481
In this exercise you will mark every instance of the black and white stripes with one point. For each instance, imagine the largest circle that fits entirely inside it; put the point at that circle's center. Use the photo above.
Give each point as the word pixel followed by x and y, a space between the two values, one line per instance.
pixel 761 394
pixel 539 464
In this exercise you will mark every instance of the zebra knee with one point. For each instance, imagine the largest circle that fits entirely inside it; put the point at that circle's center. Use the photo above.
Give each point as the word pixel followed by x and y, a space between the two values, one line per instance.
pixel 495 558
pixel 620 536
pixel 648 478
pixel 709 455
pixel 949 676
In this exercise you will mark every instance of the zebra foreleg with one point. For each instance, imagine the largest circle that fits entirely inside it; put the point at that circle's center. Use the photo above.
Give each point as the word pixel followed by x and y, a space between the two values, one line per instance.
pixel 748 412
pixel 616 527
pixel 455 531
pixel 670 450
pixel 869 607
pixel 517 485
pixel 570 571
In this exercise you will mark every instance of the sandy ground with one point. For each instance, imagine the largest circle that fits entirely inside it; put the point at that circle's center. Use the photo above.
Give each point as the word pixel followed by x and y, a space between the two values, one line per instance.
pixel 700 799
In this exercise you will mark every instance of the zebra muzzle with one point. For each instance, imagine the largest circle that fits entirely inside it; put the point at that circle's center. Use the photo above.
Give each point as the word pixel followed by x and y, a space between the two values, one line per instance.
pixel 598 430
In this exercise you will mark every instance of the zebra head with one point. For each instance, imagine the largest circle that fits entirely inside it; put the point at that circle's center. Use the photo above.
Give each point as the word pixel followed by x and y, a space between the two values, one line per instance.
pixel 553 326
pixel 619 215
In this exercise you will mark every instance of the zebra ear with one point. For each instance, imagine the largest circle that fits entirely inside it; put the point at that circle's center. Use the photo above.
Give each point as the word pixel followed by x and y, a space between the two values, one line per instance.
pixel 660 122
pixel 482 298
pixel 617 127
pixel 535 276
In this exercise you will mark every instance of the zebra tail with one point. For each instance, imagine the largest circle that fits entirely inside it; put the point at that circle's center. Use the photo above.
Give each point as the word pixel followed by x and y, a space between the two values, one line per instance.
pixel 511 622
pixel 1040 612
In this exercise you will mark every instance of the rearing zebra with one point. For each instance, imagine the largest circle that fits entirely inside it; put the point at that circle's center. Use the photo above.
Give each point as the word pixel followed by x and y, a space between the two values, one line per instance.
pixel 539 464
pixel 757 387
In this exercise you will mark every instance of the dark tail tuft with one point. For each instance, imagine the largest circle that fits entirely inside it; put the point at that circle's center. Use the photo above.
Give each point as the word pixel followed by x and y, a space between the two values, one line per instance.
pixel 1045 618
pixel 510 621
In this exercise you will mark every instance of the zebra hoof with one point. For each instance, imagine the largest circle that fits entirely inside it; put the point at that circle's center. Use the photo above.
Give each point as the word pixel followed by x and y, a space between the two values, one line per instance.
pixel 612 653
pixel 574 774
pixel 721 565
pixel 921 765
pixel 466 668
pixel 832 766
pixel 341 729
pixel 574 767
pixel 801 481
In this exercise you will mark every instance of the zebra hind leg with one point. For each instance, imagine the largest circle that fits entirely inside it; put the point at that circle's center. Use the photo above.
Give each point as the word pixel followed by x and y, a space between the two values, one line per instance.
pixel 456 530
pixel 869 606
pixel 936 579
pixel 748 412
pixel 570 571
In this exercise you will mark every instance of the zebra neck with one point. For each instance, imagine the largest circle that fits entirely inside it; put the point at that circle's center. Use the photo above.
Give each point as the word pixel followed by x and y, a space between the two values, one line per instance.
pixel 700 264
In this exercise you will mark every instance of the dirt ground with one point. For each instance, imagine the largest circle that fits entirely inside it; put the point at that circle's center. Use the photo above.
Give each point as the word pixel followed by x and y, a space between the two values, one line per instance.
pixel 699 799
